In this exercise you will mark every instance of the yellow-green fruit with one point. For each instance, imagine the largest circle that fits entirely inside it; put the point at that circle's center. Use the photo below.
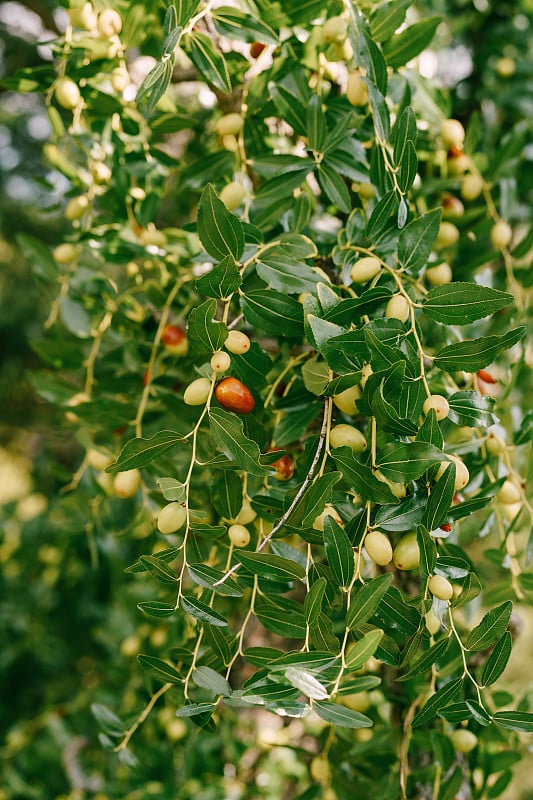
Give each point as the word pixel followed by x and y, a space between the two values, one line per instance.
pixel 447 236
pixel 76 207
pixel 197 392
pixel 176 729
pixel 319 769
pixel 511 510
pixel 345 401
pixel 501 234
pixel 83 17
pixel 171 518
pixel 440 587
pixel 154 237
pixel 347 436
pixel 452 133
pixel 509 493
pixel 131 645
pixel 495 444
pixel 335 29
pixel 357 702
pixel 237 342
pixel 101 173
pixel 232 195
pixel 229 124
pixel 356 90
pixel 439 275
pixel 458 165
pixel 378 547
pixel 406 554
pixel 66 253
pixel 505 67
pixel 127 483
pixel 399 490
pixel 329 511
pixel 463 740
pixel 109 23
pixel 220 361
pixel 471 187
pixel 120 79
pixel 365 269
pixel 67 93
pixel 246 514
pixel 239 536
pixel 433 623
pixel 398 307
pixel 462 475
pixel 366 372
pixel 98 459
pixel 439 404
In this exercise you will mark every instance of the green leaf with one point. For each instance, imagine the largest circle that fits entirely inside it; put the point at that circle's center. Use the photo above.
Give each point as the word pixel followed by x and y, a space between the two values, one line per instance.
pixel 339 552
pixel 334 187
pixel 347 310
pixel 386 18
pixel 268 565
pixel 108 720
pixel 417 239
pixel 285 274
pixel 210 63
pixel 159 669
pixel 388 417
pixel 314 499
pixel 403 517
pixel 497 661
pixel 428 551
pixel 341 716
pixel 204 332
pixel 381 214
pixel 460 302
pixel 220 231
pixel 403 462
pixel 363 649
pixel 470 356
pixel 159 569
pixel 380 111
pixel 191 605
pixel 196 709
pixel 153 608
pixel 289 107
pixel 228 432
pixel 209 679
pixel 207 576
pixel 438 701
pixel 237 25
pixel 424 662
pixel 154 85
pixel 317 129
pixel 315 375
pixel 403 133
pixel 366 600
pixel 491 628
pixel 282 616
pixel 404 46
pixel 306 682
pixel 221 281
pixel 274 313
pixel 139 452
pixel 172 490
pixel 227 493
pixel 440 499
pixel 430 431
pixel 407 171
pixel 40 258
pixel 472 409
pixel 313 601
pixel 514 720
pixel 359 477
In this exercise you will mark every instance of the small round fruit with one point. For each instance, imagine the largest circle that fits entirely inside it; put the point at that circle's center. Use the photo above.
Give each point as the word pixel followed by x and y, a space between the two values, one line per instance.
pixel 359 701
pixel 378 547
pixel 83 17
pixel 463 740
pixel 347 436
pixel 433 623
pixel 67 93
pixel 505 67
pixel 120 79
pixel 439 275
pixel 98 459
pixel 495 444
pixel 365 269
pixel 462 475
pixel 175 340
pixel 66 253
pixel 439 404
pixel 501 234
pixel 234 396
pixel 319 769
pixel 76 207
pixel 447 236
pixel 356 90
pixel 471 187
pixel 335 29
pixel 511 510
pixel 131 645
pixel 229 124
pixel 399 490
pixel 197 392
pixel 398 307
pixel 220 361
pixel 452 206
pixel 452 133
pixel 366 372
pixel 239 536
pixel 329 511
pixel 246 514
pixel 345 401
pixel 232 195
pixel 440 587
pixel 101 173
pixel 509 493
pixel 127 483
pixel 152 236
pixel 458 162
pixel 237 343
pixel 171 518
pixel 406 554
pixel 256 48
pixel 284 467
pixel 109 23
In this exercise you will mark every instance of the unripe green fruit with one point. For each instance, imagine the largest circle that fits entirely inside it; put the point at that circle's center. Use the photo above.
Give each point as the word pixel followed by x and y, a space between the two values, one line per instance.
pixel 329 511
pixel 97 459
pixel 319 769
pixel 335 29
pixel 509 493
pixel 101 173
pixel 239 536
pixel 83 17
pixel 378 547
pixel 501 234
pixel 505 67
pixel 440 587
pixel 197 392
pixel 398 307
pixel 452 207
pixel 237 342
pixel 439 404
pixel 459 164
pixel 171 518
pixel 76 207
pixel 406 554
pixel 366 372
pixel 127 483
pixel 495 444
pixel 347 436
pixel 120 79
pixel 154 237
pixel 433 623
pixel 462 475
pixel 66 253
pixel 452 133
pixel 345 401
pixel 232 195
pixel 471 187
pixel 220 361
pixel 229 124
pixel 359 701
pixel 356 90
pixel 439 275
pixel 447 236
pixel 510 510
pixel 398 489
pixel 365 269
pixel 246 514
pixel 109 23
pixel 463 740
pixel 67 93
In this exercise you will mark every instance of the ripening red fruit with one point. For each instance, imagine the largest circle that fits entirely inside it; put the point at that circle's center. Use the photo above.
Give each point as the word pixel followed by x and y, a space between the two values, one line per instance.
pixel 284 466
pixel 256 48
pixel 486 376
pixel 234 396
pixel 175 340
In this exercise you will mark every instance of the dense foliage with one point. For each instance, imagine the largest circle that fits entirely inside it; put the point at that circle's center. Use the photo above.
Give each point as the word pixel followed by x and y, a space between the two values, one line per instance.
pixel 286 326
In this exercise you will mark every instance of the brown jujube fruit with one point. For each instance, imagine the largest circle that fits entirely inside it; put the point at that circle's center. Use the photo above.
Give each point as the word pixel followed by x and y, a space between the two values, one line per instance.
pixel 234 396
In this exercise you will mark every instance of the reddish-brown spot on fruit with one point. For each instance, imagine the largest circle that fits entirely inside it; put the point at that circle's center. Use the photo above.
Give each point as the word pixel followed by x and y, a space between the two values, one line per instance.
pixel 256 48
pixel 284 466
pixel 486 376
pixel 175 339
pixel 446 526
pixel 234 396
pixel 455 152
